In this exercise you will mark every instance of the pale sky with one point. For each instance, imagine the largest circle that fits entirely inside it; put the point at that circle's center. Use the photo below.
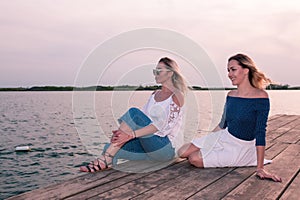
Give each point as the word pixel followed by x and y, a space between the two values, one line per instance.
pixel 46 42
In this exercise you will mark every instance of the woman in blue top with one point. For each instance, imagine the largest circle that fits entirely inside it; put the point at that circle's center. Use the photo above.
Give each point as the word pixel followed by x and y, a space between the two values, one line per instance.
pixel 239 139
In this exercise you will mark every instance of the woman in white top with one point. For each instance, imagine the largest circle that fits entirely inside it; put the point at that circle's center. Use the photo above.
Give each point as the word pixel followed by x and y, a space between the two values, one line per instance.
pixel 153 133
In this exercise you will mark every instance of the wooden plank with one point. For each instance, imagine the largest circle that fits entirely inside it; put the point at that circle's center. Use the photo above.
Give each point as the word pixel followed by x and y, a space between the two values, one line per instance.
pixel 286 165
pixel 291 137
pixel 275 150
pixel 273 117
pixel 281 121
pixel 223 186
pixel 292 192
pixel 274 134
pixel 114 183
pixel 185 186
pixel 144 166
pixel 271 123
pixel 123 187
pixel 274 131
pixel 72 186
pixel 153 180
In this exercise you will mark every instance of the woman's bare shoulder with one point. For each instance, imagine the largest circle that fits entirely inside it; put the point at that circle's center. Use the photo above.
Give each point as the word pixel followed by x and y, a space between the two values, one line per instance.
pixel 260 93
pixel 178 98
pixel 232 93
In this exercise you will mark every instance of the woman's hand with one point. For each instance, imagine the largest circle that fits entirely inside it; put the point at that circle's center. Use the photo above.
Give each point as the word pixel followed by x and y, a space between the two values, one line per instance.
pixel 119 138
pixel 114 136
pixel 263 174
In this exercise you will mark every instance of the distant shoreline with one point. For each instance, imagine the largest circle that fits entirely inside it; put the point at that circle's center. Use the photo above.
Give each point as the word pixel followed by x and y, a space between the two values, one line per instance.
pixel 126 88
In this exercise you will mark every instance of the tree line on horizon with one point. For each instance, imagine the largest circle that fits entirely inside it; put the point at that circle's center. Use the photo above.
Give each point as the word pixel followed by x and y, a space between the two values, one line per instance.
pixel 131 88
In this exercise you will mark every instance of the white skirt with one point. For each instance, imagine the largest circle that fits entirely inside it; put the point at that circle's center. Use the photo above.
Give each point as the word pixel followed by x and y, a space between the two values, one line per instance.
pixel 221 149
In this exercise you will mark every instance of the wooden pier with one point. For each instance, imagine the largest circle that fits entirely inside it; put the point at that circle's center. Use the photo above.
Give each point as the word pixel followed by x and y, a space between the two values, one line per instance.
pixel 183 181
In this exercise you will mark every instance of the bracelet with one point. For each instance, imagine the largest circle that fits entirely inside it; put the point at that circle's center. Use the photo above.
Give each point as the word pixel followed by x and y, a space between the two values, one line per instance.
pixel 134 134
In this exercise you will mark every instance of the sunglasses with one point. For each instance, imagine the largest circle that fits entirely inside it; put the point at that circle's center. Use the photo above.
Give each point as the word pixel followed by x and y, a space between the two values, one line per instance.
pixel 156 72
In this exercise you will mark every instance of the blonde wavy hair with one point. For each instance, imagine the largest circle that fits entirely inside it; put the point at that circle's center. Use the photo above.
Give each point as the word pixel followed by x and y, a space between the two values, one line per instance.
pixel 178 79
pixel 257 78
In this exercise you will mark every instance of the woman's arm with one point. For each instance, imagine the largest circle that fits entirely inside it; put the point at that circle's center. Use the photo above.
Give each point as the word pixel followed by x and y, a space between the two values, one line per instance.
pixel 260 171
pixel 147 130
pixel 120 137
pixel 260 152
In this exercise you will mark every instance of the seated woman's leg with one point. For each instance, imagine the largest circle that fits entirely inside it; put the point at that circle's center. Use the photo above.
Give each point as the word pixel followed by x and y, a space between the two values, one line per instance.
pixel 105 161
pixel 151 146
pixel 158 148
pixel 131 150
pixel 195 159
pixel 186 150
pixel 147 148
pixel 133 119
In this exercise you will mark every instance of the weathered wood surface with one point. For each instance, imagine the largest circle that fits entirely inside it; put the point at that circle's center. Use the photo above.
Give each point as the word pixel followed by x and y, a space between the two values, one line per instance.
pixel 182 181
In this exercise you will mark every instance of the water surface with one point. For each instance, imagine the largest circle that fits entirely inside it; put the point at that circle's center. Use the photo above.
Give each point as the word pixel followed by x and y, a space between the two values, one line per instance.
pixel 45 121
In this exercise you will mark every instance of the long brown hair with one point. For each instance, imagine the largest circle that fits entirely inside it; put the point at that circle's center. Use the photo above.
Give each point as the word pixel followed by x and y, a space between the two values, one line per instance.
pixel 177 79
pixel 257 78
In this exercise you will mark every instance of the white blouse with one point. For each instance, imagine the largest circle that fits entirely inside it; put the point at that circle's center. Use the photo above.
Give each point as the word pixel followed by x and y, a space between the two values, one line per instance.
pixel 167 117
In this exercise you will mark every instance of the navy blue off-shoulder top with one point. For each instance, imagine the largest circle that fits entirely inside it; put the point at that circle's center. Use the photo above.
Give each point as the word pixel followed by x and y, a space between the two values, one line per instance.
pixel 246 118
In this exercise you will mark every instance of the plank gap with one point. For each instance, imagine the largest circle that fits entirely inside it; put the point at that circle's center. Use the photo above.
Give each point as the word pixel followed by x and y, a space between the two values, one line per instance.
pixel 288 184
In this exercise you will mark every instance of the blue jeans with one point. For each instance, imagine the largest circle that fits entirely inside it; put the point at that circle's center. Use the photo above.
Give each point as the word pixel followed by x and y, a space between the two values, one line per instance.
pixel 150 147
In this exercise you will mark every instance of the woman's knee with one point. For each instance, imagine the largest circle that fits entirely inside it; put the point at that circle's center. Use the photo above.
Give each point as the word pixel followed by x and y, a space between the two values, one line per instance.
pixel 186 150
pixel 182 153
pixel 133 110
pixel 196 159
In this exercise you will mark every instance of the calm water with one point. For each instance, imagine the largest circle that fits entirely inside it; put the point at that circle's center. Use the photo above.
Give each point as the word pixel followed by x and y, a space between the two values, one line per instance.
pixel 63 137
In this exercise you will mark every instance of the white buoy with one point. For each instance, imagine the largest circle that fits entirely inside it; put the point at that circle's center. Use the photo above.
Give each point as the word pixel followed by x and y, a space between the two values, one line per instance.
pixel 23 148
